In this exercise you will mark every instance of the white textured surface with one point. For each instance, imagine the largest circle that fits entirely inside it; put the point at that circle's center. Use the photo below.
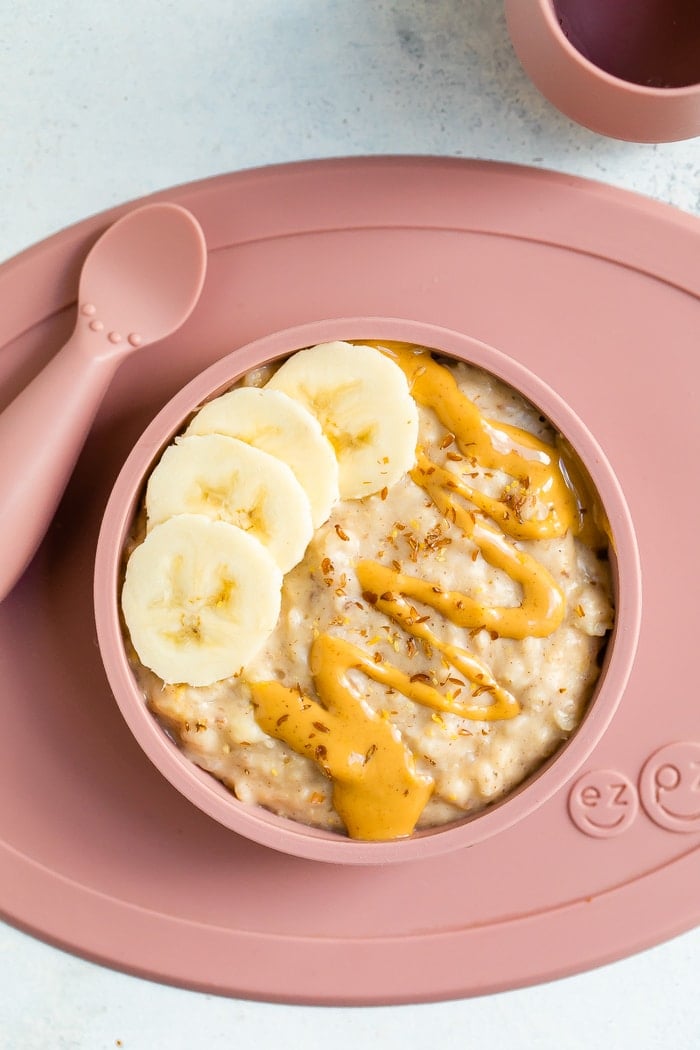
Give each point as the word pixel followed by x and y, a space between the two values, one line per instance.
pixel 103 102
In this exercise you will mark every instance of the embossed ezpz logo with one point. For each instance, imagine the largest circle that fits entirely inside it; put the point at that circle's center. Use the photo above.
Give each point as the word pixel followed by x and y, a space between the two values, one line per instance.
pixel 604 802
pixel 669 787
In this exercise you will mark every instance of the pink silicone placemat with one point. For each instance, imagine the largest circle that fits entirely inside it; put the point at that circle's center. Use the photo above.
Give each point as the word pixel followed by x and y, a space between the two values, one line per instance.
pixel 594 289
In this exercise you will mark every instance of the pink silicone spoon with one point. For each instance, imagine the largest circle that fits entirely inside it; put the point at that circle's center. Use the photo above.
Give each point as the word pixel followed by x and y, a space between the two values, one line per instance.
pixel 139 283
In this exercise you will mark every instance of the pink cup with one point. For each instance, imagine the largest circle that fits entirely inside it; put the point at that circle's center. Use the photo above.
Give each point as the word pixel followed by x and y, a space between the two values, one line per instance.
pixel 253 821
pixel 629 69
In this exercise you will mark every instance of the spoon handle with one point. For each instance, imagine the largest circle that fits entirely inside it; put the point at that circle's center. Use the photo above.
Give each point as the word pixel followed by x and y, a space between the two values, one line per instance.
pixel 41 434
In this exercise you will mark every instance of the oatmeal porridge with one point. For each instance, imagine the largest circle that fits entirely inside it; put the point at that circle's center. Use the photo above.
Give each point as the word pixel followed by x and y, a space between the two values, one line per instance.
pixel 398 656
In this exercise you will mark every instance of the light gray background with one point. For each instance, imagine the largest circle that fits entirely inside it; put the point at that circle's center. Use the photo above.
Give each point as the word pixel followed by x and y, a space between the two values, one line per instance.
pixel 101 102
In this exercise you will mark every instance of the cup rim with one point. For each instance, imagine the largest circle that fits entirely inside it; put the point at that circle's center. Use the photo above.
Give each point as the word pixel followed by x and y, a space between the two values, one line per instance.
pixel 281 833
pixel 619 83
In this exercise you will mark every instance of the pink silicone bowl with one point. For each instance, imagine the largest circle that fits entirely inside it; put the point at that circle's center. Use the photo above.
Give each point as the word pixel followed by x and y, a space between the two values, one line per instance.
pixel 630 70
pixel 255 822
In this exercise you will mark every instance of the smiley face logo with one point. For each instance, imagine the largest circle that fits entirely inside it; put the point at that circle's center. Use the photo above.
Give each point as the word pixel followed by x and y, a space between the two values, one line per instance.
pixel 669 786
pixel 603 803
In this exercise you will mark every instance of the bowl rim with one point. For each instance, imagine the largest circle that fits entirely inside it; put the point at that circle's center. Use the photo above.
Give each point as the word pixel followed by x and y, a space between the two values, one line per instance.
pixel 283 834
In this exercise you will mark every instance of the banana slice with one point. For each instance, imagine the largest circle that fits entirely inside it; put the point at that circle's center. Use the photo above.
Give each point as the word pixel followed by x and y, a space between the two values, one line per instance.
pixel 362 401
pixel 275 423
pixel 200 598
pixel 227 480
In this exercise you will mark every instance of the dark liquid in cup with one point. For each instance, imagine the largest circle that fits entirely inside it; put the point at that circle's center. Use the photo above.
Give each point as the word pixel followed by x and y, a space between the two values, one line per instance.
pixel 651 42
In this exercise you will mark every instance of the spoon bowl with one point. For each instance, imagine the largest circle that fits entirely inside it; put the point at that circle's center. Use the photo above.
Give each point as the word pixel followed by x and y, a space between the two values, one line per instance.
pixel 142 278
pixel 139 283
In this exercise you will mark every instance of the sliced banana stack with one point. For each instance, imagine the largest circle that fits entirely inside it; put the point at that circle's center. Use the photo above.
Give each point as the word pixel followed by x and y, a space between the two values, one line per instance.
pixel 363 403
pixel 232 504
pixel 275 423
pixel 227 480
pixel 200 598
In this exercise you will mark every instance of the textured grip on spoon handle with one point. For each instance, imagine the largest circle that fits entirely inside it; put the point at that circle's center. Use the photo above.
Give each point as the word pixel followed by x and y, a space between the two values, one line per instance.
pixel 41 435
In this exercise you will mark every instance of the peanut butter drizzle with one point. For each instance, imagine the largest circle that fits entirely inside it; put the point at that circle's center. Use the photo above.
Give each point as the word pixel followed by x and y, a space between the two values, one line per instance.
pixel 531 463
pixel 376 790
pixel 542 607
pixel 501 703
